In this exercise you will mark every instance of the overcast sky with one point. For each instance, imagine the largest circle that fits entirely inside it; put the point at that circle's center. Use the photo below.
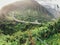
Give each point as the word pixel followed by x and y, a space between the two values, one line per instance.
pixel 5 2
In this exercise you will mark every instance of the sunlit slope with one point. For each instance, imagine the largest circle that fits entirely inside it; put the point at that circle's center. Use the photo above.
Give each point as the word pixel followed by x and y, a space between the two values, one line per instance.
pixel 26 10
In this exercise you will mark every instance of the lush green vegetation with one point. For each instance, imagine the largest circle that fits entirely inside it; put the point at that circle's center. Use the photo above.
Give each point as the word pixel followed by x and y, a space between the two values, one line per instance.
pixel 30 15
pixel 29 34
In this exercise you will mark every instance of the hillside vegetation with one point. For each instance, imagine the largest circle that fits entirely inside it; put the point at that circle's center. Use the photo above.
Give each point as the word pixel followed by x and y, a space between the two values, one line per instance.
pixel 30 34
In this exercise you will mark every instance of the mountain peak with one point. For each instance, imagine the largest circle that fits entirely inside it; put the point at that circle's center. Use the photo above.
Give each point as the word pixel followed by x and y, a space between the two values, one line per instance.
pixel 28 10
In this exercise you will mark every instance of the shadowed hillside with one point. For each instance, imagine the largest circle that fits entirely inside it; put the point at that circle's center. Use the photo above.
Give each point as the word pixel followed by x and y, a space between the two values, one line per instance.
pixel 26 10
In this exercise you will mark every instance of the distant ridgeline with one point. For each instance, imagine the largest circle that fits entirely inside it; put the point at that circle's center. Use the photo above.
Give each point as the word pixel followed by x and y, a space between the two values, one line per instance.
pixel 26 11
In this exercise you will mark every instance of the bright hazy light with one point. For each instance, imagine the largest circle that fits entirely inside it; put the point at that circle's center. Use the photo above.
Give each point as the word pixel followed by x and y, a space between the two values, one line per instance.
pixel 6 2
pixel 49 2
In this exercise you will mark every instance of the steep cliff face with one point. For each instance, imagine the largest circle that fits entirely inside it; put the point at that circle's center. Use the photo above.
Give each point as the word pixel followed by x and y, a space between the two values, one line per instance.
pixel 26 10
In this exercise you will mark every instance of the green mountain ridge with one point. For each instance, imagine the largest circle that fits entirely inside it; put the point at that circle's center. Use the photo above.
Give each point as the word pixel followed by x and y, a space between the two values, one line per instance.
pixel 27 10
